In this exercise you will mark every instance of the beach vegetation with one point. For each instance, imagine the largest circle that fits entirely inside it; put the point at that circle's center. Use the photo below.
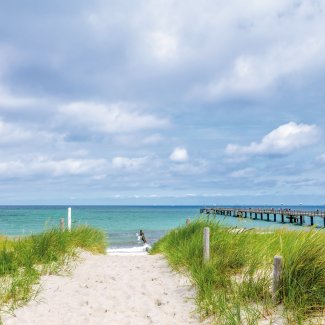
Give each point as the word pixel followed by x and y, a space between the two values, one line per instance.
pixel 24 259
pixel 235 285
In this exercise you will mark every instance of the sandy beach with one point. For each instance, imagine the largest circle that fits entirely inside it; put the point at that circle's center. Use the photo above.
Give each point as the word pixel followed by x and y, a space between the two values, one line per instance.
pixel 112 289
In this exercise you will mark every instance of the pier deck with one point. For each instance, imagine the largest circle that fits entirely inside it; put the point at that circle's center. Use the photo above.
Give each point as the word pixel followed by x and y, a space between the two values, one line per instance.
pixel 268 214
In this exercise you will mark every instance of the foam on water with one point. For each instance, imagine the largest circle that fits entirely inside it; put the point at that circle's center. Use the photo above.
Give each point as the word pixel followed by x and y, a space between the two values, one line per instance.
pixel 140 250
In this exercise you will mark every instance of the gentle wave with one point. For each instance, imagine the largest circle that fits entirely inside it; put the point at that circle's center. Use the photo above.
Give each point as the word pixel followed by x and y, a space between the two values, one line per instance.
pixel 140 250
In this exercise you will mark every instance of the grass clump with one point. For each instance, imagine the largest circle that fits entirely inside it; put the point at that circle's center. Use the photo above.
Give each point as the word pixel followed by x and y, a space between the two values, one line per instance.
pixel 234 287
pixel 23 260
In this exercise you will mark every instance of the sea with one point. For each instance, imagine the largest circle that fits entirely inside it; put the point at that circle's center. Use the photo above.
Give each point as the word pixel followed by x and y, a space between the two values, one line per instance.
pixel 123 223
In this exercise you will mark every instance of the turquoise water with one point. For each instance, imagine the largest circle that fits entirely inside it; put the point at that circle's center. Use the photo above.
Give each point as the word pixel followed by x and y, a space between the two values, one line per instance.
pixel 121 223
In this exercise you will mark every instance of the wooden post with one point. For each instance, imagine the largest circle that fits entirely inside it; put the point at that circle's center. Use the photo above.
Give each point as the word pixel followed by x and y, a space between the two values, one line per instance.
pixel 62 224
pixel 206 244
pixel 69 219
pixel 277 273
pixel 188 221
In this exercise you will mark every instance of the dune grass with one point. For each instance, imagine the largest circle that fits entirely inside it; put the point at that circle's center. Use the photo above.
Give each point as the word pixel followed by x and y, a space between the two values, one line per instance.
pixel 234 287
pixel 23 260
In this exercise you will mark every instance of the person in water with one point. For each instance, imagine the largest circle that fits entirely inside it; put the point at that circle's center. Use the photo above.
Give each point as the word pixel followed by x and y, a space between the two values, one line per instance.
pixel 143 238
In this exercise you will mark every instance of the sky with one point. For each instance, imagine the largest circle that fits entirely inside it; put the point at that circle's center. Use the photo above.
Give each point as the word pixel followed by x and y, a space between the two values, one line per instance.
pixel 162 102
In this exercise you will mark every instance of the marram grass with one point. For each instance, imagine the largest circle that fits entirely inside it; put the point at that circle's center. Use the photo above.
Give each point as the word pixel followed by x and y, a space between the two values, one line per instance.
pixel 23 260
pixel 234 287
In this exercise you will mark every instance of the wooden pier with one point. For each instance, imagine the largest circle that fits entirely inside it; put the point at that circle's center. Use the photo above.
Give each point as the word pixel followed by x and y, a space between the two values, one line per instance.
pixel 268 214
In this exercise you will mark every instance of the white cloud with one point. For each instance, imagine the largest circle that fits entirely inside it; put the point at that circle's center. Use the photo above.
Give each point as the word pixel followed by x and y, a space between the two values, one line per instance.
pixel 282 140
pixel 69 166
pixel 10 133
pixel 256 47
pixel 164 46
pixel 128 163
pixel 51 168
pixel 258 72
pixel 152 139
pixel 114 118
pixel 196 167
pixel 242 173
pixel 179 154
pixel 321 158
pixel 80 153
pixel 8 100
pixel 137 140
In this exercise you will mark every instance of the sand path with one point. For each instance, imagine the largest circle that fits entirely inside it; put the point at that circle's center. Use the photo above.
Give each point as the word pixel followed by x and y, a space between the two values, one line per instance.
pixel 113 290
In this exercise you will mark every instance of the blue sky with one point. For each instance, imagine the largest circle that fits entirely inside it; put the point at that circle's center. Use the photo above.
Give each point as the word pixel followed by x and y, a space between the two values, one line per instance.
pixel 162 102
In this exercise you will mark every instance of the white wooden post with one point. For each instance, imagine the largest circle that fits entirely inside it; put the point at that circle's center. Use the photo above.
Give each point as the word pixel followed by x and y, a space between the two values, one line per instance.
pixel 206 244
pixel 69 219
pixel 277 273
